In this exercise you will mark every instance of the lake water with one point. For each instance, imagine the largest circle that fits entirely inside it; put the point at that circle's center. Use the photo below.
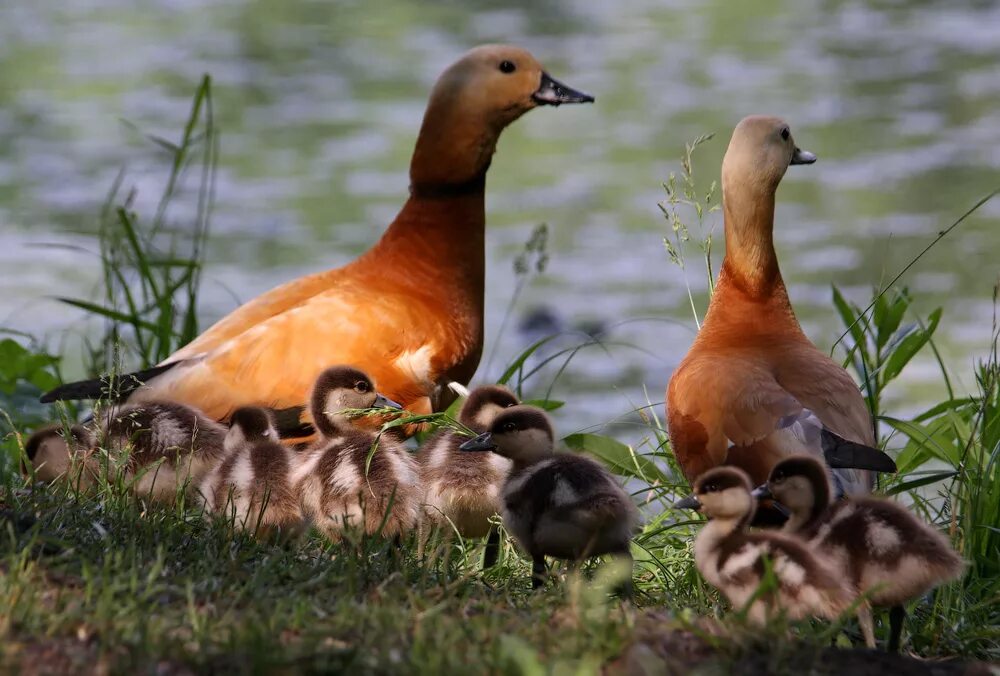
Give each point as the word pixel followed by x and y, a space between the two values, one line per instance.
pixel 319 104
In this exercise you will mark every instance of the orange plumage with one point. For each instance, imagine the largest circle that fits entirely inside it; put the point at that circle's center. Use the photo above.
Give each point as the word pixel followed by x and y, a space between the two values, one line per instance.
pixel 752 382
pixel 410 310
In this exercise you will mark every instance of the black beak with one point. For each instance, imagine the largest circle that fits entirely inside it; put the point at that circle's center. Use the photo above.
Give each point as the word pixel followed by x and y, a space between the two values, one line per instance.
pixel 552 92
pixel 385 402
pixel 802 157
pixel 484 442
pixel 761 492
pixel 690 502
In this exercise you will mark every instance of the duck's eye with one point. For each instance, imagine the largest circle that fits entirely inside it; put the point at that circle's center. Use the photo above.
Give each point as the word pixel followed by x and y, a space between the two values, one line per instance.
pixel 509 427
pixel 507 67
pixel 785 133
pixel 709 488
pixel 362 386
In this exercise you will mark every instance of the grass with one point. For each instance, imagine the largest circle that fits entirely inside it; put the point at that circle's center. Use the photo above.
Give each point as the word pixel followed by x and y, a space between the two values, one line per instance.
pixel 103 581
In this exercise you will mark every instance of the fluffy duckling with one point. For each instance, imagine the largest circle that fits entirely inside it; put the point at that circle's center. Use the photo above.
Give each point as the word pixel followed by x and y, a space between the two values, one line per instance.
pixel 886 552
pixel 186 444
pixel 252 485
pixel 341 483
pixel 410 310
pixel 55 456
pixel 463 489
pixel 556 504
pixel 732 559
pixel 753 389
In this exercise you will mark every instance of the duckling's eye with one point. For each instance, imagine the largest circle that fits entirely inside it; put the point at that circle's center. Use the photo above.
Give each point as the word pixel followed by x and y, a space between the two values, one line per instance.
pixel 507 67
pixel 362 386
pixel 509 427
pixel 709 488
pixel 785 133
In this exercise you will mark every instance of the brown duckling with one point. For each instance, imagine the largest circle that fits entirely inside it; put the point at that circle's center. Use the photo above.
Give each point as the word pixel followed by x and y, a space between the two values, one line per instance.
pixel 340 481
pixel 733 560
pixel 252 484
pixel 58 452
pixel 462 490
pixel 887 553
pixel 184 442
pixel 556 504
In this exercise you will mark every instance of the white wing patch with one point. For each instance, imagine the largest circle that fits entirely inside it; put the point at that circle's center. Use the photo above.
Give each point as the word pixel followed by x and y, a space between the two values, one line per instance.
pixel 417 363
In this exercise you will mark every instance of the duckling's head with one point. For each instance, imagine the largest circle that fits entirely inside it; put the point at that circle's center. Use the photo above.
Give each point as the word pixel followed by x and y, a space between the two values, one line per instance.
pixel 338 389
pixel 249 424
pixel 484 404
pixel 721 493
pixel 800 483
pixel 471 103
pixel 521 433
pixel 759 152
pixel 49 449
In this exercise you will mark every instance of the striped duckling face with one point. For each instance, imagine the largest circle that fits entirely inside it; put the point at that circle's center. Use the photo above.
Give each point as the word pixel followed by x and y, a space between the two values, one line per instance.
pixel 800 483
pixel 521 433
pixel 339 389
pixel 250 424
pixel 722 493
pixel 484 405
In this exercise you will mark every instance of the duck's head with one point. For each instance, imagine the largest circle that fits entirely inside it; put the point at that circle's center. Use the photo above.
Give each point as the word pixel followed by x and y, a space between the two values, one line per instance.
pixel 338 389
pixel 800 483
pixel 521 433
pixel 250 424
pixel 759 153
pixel 484 404
pixel 721 493
pixel 50 448
pixel 471 103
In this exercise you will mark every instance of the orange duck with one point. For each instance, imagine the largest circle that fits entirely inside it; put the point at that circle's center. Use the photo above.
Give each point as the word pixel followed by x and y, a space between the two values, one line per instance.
pixel 753 389
pixel 410 310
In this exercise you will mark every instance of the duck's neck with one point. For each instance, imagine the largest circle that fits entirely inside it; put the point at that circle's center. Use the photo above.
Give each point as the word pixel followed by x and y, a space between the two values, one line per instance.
pixel 750 263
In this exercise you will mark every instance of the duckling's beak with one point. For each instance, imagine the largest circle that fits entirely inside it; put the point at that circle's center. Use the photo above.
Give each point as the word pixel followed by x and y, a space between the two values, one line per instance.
pixel 856 456
pixel 552 92
pixel 385 402
pixel 802 156
pixel 762 492
pixel 690 502
pixel 484 442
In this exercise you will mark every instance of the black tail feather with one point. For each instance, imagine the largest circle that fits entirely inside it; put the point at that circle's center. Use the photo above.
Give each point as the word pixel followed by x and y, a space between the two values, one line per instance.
pixel 841 453
pixel 113 387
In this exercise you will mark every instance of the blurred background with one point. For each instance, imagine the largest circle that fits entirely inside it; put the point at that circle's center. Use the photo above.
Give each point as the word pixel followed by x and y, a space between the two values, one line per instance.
pixel 319 103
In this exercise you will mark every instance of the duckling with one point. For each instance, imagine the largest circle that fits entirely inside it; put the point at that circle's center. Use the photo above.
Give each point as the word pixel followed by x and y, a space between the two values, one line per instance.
pixel 887 553
pixel 340 481
pixel 463 489
pixel 252 483
pixel 54 456
pixel 184 442
pixel 556 504
pixel 733 560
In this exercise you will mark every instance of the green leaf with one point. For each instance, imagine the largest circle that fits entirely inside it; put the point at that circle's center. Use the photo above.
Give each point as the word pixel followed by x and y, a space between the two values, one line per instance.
pixel 909 347
pixel 93 308
pixel 888 315
pixel 619 457
pixel 924 480
pixel 545 404
pixel 521 358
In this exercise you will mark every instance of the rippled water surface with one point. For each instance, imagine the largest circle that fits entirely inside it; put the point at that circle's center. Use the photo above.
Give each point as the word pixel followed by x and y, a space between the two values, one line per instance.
pixel 319 103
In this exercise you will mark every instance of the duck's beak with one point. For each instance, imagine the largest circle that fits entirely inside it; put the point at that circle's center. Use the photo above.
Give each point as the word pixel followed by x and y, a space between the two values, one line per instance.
pixel 484 442
pixel 762 492
pixel 802 156
pixel 690 502
pixel 382 401
pixel 552 92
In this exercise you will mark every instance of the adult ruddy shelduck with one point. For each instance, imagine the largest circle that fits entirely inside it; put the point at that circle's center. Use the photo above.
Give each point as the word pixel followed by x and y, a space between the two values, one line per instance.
pixel 753 388
pixel 410 310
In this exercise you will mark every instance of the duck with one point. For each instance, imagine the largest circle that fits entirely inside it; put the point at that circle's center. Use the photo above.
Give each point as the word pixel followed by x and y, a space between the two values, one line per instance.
pixel 170 447
pixel 753 389
pixel 252 484
pixel 889 555
pixel 62 453
pixel 351 477
pixel 409 311
pixel 734 561
pixel 462 490
pixel 561 505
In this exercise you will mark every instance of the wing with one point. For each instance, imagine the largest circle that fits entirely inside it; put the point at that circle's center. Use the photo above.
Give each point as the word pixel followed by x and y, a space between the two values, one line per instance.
pixel 275 363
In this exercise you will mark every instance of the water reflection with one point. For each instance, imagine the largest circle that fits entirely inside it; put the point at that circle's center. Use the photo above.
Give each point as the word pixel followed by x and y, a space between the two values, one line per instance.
pixel 319 103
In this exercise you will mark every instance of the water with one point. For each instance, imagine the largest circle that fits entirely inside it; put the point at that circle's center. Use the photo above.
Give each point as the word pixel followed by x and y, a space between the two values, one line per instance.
pixel 319 104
